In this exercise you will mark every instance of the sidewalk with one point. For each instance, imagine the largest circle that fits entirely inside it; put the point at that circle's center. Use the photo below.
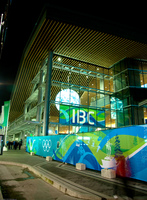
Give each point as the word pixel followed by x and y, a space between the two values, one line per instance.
pixel 86 184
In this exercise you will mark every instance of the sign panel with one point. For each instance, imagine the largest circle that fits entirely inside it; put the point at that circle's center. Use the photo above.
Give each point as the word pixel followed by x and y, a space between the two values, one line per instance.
pixel 5 114
pixel 72 115
pixel 0 146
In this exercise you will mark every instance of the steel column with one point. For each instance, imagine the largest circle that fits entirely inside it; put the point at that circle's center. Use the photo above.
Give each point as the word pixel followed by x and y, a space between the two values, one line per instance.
pixel 39 108
pixel 47 94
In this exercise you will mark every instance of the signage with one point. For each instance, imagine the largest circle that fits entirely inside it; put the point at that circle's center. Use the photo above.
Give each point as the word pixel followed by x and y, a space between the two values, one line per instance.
pixel 0 146
pixel 5 114
pixel 81 116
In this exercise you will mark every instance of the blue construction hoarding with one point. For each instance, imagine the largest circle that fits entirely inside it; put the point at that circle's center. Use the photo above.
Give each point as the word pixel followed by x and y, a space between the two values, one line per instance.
pixel 96 149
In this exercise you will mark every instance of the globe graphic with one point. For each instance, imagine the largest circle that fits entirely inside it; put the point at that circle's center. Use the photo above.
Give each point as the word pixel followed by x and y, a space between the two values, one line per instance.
pixel 67 96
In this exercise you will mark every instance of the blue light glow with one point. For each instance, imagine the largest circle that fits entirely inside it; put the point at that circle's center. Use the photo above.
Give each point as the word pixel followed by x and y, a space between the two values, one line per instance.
pixel 116 104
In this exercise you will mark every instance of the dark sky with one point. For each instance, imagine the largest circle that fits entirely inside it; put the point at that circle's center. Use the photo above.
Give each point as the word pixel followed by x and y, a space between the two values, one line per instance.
pixel 21 20
pixel 23 15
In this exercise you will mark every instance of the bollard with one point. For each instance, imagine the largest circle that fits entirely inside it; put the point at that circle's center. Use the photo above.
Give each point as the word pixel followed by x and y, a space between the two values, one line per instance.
pixel 49 158
pixel 80 166
pixel 108 173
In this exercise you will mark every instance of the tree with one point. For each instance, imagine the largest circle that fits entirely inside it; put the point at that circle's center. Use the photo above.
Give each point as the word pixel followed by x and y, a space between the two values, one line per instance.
pixel 117 150
pixel 135 141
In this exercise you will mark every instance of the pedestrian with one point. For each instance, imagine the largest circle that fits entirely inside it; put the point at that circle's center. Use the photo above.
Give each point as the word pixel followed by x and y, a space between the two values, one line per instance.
pixel 20 144
pixel 15 145
pixel 8 144
pixel 123 171
pixel 11 144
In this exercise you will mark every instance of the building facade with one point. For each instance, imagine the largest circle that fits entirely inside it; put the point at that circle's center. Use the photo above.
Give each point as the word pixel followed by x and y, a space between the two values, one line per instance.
pixel 85 97
pixel 75 79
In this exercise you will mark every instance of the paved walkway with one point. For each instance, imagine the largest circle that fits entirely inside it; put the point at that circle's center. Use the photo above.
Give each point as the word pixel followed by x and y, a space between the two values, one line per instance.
pixel 86 184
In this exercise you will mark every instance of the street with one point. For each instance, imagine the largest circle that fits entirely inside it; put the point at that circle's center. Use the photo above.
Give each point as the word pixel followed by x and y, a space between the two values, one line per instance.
pixel 20 184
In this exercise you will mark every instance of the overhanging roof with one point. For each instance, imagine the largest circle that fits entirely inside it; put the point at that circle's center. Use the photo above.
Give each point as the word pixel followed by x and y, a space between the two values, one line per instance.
pixel 71 39
pixel 77 42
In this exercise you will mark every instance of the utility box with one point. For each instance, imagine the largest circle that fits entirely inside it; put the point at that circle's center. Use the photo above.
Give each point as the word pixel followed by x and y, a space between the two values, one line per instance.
pixel 49 158
pixel 32 153
pixel 80 166
pixel 108 173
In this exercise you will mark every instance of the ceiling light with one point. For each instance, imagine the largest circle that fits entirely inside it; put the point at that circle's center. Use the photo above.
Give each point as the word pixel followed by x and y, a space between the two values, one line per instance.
pixel 59 59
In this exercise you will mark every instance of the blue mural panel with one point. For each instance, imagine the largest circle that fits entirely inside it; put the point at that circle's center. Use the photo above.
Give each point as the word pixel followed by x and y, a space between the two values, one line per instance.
pixel 43 145
pixel 96 149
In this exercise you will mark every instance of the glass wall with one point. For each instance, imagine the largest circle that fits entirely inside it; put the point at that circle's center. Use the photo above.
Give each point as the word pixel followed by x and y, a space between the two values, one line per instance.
pixel 86 97
pixel 129 80
pixel 80 97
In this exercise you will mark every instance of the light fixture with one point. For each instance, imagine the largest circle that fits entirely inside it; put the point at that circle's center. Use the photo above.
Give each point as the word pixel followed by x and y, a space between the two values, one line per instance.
pixel 59 59
pixel 67 96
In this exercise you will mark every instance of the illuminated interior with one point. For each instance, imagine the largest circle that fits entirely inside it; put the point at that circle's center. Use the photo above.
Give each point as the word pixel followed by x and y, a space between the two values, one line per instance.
pixel 97 88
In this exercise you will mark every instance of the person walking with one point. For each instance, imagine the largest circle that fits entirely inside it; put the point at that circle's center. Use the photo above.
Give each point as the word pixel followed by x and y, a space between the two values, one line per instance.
pixel 123 171
pixel 20 144
pixel 11 144
pixel 14 144
pixel 8 144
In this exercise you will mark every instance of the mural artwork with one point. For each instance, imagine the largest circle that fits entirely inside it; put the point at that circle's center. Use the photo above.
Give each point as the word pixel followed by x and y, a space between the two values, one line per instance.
pixel 97 149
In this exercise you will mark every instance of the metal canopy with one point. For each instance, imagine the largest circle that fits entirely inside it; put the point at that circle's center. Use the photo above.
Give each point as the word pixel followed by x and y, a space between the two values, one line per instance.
pixel 24 126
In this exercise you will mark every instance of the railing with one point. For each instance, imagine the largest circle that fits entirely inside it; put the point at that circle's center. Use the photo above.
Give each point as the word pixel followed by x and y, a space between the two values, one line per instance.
pixel 16 123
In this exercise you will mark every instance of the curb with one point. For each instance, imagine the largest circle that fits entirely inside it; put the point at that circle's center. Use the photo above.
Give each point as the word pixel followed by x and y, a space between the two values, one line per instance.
pixel 67 187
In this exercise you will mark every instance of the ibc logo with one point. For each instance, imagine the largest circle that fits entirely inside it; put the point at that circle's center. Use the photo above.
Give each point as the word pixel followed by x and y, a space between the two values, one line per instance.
pixel 82 117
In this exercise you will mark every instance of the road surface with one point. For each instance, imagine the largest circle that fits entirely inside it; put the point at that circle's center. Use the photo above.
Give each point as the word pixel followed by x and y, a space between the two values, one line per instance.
pixel 20 184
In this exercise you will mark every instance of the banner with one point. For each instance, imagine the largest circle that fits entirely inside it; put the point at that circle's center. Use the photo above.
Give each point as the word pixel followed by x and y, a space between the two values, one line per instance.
pixel 72 115
pixel 0 146
pixel 5 114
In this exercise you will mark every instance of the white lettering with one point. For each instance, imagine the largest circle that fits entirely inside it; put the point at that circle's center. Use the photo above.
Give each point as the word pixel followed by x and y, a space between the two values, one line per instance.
pixel 78 113
pixel 81 116
pixel 88 116
pixel 73 116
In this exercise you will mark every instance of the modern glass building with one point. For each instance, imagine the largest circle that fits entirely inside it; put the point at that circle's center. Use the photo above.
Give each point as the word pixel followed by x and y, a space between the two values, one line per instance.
pixel 76 78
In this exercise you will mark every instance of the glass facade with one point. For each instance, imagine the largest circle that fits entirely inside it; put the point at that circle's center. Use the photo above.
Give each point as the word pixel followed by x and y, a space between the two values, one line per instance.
pixel 84 91
pixel 129 79
pixel 86 97
pixel 94 97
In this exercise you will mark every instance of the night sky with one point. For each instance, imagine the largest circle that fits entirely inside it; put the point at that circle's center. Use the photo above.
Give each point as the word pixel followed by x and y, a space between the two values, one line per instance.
pixel 23 15
pixel 21 21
